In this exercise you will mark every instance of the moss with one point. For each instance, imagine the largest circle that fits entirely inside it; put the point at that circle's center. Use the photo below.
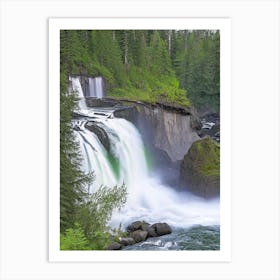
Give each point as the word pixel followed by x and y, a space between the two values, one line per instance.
pixel 200 168
pixel 207 156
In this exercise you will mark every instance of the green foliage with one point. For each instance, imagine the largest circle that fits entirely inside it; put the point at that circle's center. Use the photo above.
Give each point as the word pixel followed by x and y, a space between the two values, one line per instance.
pixel 84 217
pixel 135 64
pixel 148 65
pixel 197 66
pixel 97 211
pixel 73 182
pixel 95 214
pixel 74 239
pixel 99 240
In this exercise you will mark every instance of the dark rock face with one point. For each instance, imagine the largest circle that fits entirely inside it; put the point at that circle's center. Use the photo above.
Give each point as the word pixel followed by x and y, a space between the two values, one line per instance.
pixel 139 235
pixel 115 246
pixel 169 131
pixel 200 168
pixel 100 133
pixel 97 102
pixel 195 120
pixel 129 113
pixel 162 228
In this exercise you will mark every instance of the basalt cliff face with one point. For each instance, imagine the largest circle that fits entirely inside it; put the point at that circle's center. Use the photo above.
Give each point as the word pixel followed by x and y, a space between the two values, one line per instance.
pixel 168 129
pixel 171 131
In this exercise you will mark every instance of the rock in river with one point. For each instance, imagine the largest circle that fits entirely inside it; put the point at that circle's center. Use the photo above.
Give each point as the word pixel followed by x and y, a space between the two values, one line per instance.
pixel 139 235
pixel 162 228
pixel 115 246
pixel 200 168
pixel 127 241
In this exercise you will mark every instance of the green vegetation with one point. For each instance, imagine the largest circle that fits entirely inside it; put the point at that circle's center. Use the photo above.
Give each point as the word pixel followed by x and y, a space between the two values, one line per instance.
pixel 207 156
pixel 83 217
pixel 96 213
pixel 73 182
pixel 148 65
pixel 197 65
pixel 74 239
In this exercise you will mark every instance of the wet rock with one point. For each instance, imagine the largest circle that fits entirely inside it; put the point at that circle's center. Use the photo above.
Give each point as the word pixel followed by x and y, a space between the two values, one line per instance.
pixel 151 232
pixel 97 102
pixel 162 228
pixel 139 235
pixel 129 113
pixel 127 241
pixel 137 225
pixel 169 131
pixel 100 133
pixel 115 246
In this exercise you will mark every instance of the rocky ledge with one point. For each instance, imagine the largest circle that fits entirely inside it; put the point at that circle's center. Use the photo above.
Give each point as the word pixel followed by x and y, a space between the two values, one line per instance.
pixel 139 231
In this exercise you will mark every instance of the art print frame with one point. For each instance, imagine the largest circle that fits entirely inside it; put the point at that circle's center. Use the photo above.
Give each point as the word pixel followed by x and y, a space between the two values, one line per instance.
pixel 223 255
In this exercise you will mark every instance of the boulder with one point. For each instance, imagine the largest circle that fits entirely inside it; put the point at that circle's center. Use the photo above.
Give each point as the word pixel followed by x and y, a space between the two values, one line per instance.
pixel 137 225
pixel 115 246
pixel 200 168
pixel 127 241
pixel 162 228
pixel 151 232
pixel 139 235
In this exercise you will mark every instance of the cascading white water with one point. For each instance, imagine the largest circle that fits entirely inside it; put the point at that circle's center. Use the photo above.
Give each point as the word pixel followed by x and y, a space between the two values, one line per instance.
pixel 148 199
pixel 76 87
pixel 96 87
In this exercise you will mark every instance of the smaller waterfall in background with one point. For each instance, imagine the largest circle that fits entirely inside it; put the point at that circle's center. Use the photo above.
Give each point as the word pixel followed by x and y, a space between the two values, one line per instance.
pixel 75 86
pixel 96 88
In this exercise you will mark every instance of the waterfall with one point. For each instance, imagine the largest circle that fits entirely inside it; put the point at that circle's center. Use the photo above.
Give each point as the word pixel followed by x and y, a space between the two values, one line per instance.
pixel 96 87
pixel 148 198
pixel 76 87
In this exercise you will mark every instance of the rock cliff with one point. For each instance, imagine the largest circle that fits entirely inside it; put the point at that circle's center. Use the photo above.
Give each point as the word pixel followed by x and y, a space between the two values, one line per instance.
pixel 169 129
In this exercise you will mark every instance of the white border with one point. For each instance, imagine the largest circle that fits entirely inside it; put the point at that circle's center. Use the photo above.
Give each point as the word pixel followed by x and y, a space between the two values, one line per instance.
pixel 55 255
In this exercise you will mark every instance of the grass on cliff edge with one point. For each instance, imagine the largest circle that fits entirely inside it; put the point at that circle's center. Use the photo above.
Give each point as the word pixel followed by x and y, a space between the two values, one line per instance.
pixel 174 97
